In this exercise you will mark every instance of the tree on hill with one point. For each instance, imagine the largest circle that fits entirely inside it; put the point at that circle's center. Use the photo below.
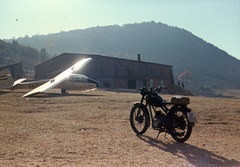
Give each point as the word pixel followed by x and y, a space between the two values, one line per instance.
pixel 14 52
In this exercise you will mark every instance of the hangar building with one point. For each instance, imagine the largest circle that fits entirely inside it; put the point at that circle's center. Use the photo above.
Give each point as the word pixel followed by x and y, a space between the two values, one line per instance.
pixel 110 72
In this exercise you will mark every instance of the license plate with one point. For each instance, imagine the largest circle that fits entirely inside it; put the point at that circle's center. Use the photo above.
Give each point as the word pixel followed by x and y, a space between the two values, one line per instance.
pixel 191 116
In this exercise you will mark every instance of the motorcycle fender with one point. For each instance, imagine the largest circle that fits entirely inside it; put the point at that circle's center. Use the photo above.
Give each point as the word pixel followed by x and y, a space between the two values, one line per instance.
pixel 144 107
pixel 138 104
pixel 186 110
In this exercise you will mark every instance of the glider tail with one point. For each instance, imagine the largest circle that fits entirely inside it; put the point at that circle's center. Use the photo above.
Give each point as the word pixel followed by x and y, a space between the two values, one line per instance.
pixel 6 80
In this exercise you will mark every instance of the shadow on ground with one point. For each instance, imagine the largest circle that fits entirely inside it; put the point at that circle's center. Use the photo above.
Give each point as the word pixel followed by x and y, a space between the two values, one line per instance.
pixel 194 155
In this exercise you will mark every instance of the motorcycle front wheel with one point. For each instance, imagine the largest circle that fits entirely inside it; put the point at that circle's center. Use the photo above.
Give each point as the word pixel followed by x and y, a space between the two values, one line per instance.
pixel 181 128
pixel 139 119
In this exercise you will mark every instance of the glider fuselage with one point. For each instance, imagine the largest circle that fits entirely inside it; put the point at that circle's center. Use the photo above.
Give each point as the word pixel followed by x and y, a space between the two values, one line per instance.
pixel 66 80
pixel 73 82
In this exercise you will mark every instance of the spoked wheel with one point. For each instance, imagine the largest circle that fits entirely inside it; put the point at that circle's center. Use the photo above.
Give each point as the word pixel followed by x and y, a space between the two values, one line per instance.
pixel 139 119
pixel 181 128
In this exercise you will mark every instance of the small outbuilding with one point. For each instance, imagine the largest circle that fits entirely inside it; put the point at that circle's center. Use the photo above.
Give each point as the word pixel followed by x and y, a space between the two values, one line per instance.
pixel 110 72
pixel 16 70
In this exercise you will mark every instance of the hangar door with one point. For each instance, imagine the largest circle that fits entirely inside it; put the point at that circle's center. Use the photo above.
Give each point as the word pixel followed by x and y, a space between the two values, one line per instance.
pixel 135 84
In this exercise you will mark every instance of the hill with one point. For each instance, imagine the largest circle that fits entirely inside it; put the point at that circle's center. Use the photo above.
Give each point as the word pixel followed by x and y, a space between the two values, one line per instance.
pixel 194 60
pixel 14 52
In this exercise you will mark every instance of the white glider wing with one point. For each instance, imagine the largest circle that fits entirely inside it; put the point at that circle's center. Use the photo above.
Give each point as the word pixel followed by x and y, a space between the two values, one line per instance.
pixel 59 78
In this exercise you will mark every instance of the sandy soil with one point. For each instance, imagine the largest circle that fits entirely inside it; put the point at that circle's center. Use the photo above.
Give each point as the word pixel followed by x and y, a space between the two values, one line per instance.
pixel 92 129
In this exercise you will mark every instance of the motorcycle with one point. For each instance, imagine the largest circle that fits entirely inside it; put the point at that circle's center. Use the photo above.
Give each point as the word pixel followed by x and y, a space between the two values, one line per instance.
pixel 176 120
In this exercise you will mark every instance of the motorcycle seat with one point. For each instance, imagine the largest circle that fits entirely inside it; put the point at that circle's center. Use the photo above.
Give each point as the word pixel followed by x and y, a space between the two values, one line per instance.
pixel 180 100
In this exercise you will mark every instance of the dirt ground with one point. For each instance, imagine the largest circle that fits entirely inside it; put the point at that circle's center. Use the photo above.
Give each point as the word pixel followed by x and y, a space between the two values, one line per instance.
pixel 92 129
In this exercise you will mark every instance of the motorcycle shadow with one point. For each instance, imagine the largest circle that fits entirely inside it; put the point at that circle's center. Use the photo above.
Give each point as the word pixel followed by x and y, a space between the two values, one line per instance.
pixel 194 155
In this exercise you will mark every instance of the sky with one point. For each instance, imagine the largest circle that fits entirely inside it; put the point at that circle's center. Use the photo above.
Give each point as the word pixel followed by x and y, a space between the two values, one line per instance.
pixel 215 21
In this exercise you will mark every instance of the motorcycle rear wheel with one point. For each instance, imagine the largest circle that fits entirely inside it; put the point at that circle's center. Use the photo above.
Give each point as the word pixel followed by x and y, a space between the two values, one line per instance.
pixel 139 119
pixel 181 127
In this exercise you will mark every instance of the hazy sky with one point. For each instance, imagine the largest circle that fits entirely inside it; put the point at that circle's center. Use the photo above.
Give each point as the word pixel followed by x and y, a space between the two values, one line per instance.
pixel 215 21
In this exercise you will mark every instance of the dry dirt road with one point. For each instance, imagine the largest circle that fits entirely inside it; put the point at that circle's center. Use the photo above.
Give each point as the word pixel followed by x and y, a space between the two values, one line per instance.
pixel 92 129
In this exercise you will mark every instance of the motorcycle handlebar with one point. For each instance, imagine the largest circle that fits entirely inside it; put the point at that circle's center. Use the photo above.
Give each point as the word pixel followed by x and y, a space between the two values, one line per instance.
pixel 159 88
pixel 144 90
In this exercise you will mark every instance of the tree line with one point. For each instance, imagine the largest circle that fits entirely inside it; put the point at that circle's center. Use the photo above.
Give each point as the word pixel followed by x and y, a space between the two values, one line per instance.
pixel 13 52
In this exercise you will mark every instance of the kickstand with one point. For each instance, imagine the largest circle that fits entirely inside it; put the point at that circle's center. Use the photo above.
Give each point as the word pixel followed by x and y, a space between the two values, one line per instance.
pixel 158 134
pixel 165 135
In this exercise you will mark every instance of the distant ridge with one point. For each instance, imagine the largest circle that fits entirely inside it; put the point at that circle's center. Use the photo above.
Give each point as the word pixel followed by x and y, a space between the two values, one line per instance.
pixel 13 52
pixel 156 42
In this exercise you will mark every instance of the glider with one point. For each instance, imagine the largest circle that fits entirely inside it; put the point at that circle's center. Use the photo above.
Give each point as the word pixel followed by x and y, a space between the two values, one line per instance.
pixel 66 80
